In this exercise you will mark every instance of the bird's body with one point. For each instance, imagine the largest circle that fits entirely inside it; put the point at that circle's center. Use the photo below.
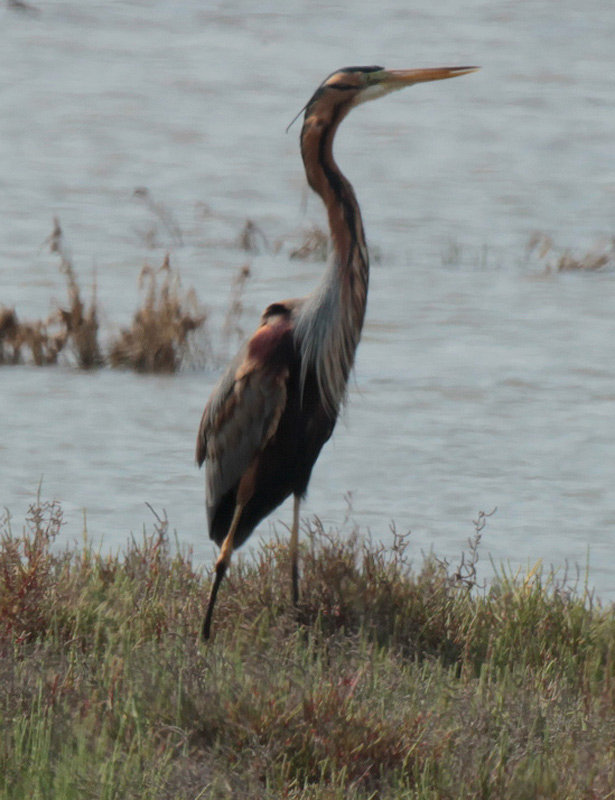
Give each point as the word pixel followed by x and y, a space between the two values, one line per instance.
pixel 278 401
pixel 261 408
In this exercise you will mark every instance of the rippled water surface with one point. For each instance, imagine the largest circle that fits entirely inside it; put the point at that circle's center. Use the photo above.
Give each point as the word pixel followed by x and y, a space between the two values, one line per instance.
pixel 481 381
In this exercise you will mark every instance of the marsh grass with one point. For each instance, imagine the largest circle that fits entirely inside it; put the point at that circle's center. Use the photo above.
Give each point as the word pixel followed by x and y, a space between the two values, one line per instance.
pixel 252 239
pixel 232 329
pixel 31 339
pixel 158 340
pixel 74 325
pixel 79 323
pixel 395 681
pixel 314 247
pixel 164 221
pixel 599 257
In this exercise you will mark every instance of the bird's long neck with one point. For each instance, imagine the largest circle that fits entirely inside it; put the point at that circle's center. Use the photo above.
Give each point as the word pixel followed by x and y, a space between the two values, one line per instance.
pixel 327 180
pixel 329 327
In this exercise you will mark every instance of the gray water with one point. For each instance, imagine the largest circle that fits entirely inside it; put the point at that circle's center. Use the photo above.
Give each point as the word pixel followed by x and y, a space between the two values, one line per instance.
pixel 481 380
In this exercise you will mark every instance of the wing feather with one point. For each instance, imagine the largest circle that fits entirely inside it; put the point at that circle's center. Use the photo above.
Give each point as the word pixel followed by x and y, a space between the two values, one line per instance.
pixel 241 416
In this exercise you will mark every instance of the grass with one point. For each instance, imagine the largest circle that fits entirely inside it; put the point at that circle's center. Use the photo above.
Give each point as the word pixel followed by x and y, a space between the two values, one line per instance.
pixel 233 333
pixel 253 239
pixel 159 339
pixel 599 257
pixel 18 337
pixel 162 334
pixel 392 681
pixel 315 246
pixel 73 327
pixel 80 325
pixel 164 220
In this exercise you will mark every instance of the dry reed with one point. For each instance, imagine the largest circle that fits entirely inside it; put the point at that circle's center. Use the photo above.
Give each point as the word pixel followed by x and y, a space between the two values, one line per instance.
pixel 158 339
pixel 162 214
pixel 17 337
pixel 597 258
pixel 252 239
pixel 232 329
pixel 80 324
pixel 315 246
pixel 74 325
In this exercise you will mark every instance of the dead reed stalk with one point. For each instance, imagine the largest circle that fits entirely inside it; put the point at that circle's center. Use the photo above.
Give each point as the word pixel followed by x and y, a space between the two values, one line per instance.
pixel 16 337
pixel 231 327
pixel 252 238
pixel 44 345
pixel 9 325
pixel 162 214
pixel 158 339
pixel 597 258
pixel 315 246
pixel 80 324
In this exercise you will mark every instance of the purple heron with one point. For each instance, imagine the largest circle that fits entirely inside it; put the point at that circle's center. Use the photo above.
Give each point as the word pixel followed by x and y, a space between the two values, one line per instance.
pixel 277 403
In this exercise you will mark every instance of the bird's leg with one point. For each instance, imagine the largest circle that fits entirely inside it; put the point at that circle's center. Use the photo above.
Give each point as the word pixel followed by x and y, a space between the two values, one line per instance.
pixel 245 490
pixel 294 551
pixel 224 559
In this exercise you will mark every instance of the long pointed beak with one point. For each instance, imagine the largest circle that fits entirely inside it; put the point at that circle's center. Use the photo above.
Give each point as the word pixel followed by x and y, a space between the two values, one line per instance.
pixel 398 78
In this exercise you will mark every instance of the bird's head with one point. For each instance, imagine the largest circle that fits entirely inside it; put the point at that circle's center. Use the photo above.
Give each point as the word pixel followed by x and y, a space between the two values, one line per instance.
pixel 350 86
pixel 338 94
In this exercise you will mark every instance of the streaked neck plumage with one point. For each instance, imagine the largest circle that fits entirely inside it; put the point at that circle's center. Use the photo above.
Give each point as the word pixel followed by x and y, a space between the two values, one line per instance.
pixel 328 327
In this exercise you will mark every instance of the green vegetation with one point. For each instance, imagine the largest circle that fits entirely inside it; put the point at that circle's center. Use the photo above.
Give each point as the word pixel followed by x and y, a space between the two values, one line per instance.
pixel 393 682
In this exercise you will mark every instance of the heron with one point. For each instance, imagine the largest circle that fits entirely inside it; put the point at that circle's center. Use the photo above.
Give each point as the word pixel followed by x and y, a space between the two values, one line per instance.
pixel 277 403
